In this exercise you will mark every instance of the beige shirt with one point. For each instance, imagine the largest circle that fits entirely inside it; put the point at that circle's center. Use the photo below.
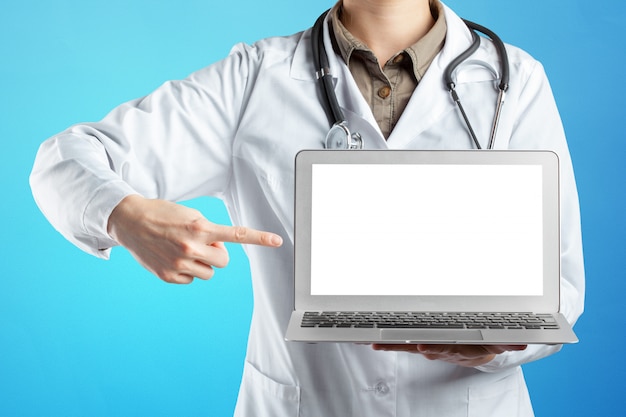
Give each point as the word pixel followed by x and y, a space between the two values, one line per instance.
pixel 387 88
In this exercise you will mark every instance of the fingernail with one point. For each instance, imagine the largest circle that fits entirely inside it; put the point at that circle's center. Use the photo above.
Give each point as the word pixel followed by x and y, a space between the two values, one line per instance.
pixel 276 240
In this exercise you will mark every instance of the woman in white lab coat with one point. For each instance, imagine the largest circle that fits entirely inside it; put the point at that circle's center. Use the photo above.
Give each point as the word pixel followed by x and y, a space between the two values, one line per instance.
pixel 232 130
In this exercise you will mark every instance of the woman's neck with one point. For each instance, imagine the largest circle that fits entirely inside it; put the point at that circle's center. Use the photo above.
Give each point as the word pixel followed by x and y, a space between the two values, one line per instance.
pixel 387 26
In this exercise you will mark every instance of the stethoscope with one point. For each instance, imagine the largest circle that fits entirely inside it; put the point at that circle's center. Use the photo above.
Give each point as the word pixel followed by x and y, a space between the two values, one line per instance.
pixel 340 137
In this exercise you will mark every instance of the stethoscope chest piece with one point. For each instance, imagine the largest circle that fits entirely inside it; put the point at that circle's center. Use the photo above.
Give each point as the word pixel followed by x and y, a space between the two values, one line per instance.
pixel 339 137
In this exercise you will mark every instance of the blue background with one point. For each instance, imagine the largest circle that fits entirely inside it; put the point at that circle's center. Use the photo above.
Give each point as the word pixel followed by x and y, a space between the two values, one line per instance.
pixel 84 337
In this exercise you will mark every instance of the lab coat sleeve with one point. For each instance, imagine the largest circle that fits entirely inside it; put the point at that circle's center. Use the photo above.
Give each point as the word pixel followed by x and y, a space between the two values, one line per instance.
pixel 540 127
pixel 173 144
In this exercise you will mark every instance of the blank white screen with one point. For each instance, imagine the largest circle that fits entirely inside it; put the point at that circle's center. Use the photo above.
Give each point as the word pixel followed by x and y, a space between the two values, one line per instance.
pixel 426 230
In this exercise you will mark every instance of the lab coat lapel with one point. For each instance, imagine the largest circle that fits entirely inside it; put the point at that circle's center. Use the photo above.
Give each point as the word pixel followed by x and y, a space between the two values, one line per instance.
pixel 302 66
pixel 427 105
pixel 431 99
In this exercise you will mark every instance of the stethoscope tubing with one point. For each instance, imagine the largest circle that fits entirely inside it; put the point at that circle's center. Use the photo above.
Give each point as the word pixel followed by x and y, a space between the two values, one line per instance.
pixel 502 87
pixel 501 50
pixel 322 71
pixel 336 116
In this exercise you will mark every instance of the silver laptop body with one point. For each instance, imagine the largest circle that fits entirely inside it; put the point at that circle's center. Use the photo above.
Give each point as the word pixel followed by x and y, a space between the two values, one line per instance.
pixel 404 246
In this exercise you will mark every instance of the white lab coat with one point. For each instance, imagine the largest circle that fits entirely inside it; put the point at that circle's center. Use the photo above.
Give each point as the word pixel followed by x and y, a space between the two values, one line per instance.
pixel 232 130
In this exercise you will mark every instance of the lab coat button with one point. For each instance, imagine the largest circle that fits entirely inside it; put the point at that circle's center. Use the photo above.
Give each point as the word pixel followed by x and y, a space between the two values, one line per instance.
pixel 384 92
pixel 381 388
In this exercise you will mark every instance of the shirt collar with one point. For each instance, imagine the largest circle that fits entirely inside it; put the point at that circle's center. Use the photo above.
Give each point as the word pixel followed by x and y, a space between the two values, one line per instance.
pixel 421 53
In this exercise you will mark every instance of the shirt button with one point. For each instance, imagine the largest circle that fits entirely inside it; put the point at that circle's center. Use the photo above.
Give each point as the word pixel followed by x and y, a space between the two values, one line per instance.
pixel 384 92
pixel 381 388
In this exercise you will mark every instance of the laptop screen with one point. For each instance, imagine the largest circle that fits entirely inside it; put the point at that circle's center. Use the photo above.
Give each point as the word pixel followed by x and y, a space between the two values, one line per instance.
pixel 420 229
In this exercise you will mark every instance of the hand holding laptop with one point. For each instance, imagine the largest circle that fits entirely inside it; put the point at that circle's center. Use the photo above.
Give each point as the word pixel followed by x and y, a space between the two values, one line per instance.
pixel 176 243
pixel 462 355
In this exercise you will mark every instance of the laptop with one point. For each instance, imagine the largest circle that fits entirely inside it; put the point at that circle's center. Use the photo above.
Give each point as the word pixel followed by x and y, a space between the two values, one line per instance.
pixel 411 246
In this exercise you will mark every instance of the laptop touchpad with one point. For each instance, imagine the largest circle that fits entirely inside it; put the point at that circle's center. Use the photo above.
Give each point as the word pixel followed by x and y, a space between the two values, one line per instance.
pixel 429 335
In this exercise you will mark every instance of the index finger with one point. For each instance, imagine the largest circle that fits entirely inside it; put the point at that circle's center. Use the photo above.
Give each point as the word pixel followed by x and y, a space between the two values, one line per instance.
pixel 241 234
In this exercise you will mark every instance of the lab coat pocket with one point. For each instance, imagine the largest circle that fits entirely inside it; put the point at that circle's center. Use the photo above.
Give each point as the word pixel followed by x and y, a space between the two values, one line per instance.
pixel 505 397
pixel 261 396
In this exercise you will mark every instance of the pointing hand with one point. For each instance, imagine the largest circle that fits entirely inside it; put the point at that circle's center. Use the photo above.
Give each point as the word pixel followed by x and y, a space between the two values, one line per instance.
pixel 177 243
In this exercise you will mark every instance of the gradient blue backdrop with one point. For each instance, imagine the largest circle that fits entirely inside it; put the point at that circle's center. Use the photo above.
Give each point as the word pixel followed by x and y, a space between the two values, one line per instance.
pixel 84 337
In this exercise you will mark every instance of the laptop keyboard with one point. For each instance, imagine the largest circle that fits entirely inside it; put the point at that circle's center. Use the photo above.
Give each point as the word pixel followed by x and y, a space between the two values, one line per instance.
pixel 421 320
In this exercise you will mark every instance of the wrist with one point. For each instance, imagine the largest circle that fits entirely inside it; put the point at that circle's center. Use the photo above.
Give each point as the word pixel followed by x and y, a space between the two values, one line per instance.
pixel 124 209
